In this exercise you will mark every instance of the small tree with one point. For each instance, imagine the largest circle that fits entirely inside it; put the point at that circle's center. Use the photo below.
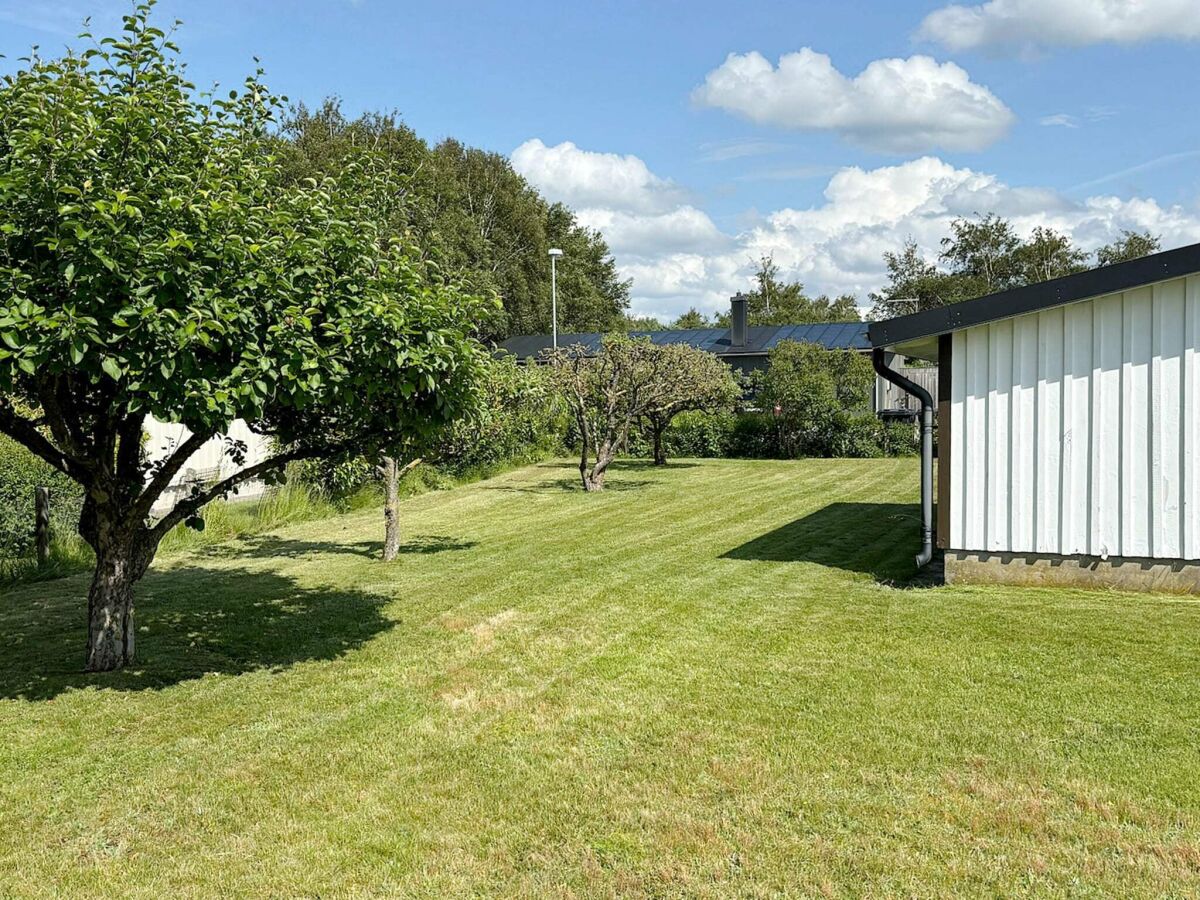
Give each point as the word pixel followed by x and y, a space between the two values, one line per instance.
pixel 812 392
pixel 156 261
pixel 607 393
pixel 691 380
pixel 390 472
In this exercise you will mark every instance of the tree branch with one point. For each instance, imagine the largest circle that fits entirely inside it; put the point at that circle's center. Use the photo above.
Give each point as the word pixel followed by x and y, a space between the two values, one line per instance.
pixel 167 471
pixel 129 454
pixel 188 507
pixel 25 432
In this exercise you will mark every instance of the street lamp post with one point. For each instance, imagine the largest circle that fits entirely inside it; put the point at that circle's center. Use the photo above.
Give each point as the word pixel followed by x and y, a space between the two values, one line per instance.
pixel 555 253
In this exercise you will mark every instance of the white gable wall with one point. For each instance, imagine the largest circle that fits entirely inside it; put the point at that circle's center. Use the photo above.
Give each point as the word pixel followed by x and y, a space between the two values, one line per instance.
pixel 208 464
pixel 1076 430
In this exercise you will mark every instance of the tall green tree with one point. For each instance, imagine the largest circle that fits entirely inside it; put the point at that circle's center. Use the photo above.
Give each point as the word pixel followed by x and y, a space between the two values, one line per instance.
pixel 157 260
pixel 1047 254
pixel 642 323
pixel 691 320
pixel 1130 245
pixel 985 255
pixel 777 302
pixel 470 213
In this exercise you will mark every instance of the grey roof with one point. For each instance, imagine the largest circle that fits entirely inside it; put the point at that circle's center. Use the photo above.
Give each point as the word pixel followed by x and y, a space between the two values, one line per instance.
pixel 760 339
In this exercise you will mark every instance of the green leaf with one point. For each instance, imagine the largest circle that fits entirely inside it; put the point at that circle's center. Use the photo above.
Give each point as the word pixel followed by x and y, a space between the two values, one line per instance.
pixel 110 367
pixel 76 352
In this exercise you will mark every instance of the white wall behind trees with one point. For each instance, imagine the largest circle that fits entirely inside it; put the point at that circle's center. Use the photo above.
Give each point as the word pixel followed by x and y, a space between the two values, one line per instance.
pixel 1076 430
pixel 208 464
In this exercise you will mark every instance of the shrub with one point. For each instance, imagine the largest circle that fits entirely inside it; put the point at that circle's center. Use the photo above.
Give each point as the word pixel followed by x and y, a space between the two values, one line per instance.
pixel 816 395
pixel 901 439
pixel 858 435
pixel 702 434
pixel 756 436
pixel 20 473
pixel 519 418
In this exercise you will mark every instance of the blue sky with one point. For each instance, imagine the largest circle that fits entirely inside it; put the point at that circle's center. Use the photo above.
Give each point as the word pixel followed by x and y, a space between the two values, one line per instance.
pixel 897 117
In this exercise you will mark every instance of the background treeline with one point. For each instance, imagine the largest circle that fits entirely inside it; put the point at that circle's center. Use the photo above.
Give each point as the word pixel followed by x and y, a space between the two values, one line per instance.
pixel 471 215
pixel 984 255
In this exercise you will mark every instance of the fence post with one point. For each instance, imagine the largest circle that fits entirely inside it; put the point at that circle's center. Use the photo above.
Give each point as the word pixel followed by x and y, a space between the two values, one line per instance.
pixel 41 527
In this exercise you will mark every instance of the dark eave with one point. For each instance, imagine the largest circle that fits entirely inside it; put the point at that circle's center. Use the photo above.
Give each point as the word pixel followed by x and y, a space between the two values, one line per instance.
pixel 920 328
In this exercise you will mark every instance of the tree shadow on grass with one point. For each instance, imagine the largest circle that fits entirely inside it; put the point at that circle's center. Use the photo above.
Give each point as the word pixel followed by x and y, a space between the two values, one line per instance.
pixel 648 465
pixel 191 621
pixel 879 539
pixel 267 546
pixel 568 485
pixel 615 480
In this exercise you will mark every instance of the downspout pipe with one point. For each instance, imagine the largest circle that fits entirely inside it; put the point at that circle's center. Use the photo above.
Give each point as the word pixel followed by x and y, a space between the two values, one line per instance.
pixel 911 387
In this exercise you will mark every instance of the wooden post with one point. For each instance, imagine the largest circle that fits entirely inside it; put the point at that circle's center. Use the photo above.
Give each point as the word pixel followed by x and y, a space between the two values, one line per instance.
pixel 41 523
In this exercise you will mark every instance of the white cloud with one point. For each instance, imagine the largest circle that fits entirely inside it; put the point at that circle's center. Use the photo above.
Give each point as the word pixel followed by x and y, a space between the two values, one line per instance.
pixel 583 178
pixel 1023 24
pixel 894 105
pixel 679 258
pixel 723 151
pixel 1059 120
pixel 682 229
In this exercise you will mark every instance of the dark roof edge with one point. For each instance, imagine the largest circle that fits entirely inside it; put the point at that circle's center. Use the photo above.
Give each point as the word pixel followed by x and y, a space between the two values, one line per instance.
pixel 1044 295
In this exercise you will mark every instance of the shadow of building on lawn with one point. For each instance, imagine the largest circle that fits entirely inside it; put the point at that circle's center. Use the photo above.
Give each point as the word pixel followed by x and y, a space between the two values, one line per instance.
pixel 879 539
pixel 190 621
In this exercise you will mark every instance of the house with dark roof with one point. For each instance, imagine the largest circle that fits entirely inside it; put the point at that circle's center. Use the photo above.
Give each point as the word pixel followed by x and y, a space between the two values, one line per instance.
pixel 1068 427
pixel 746 348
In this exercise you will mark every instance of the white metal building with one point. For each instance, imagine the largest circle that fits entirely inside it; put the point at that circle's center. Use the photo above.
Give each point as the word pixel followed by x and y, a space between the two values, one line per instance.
pixel 1069 426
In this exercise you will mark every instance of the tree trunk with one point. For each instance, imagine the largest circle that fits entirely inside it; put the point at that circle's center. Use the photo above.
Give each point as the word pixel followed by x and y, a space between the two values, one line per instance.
pixel 593 480
pixel 391 509
pixel 584 468
pixel 660 455
pixel 110 609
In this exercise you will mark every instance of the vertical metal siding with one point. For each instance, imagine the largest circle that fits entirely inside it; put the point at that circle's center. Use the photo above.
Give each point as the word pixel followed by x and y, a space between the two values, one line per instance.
pixel 1076 430
pixel 210 462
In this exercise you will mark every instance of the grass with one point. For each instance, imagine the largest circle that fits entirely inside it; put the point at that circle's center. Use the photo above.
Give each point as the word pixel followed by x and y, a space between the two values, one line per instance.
pixel 294 501
pixel 714 679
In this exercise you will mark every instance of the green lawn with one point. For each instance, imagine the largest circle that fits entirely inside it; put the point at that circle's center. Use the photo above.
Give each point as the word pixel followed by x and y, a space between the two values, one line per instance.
pixel 710 680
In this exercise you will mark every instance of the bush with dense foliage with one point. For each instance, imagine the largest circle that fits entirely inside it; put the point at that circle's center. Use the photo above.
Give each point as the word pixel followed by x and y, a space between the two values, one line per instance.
pixel 518 418
pixel 808 402
pixel 20 474
pixel 818 399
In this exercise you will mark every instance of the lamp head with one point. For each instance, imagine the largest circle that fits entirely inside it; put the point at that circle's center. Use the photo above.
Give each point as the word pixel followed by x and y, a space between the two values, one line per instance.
pixel 554 251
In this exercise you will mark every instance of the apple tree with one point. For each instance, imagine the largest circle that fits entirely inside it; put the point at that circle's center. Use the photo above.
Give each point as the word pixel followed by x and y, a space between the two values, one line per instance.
pixel 155 261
